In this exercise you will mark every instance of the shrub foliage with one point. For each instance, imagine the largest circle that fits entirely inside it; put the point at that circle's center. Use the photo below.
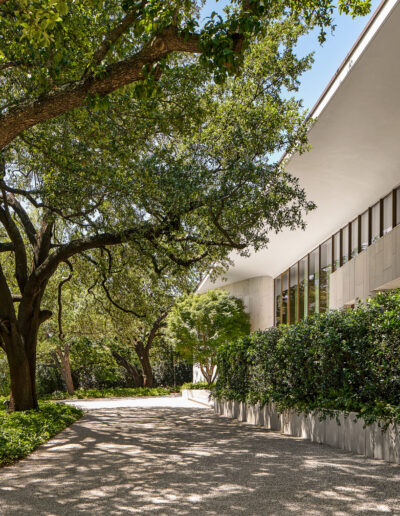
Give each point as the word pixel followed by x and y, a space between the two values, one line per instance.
pixel 341 360
pixel 22 432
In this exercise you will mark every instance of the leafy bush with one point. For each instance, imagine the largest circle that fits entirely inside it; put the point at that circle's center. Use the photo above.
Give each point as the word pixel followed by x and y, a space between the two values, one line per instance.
pixel 22 432
pixel 341 360
pixel 113 392
pixel 198 385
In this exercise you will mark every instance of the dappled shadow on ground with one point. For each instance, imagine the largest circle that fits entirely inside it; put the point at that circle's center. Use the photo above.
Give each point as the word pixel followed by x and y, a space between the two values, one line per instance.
pixel 183 461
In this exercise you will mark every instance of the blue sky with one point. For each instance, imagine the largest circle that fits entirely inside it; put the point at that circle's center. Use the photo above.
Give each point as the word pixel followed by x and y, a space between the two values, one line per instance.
pixel 328 57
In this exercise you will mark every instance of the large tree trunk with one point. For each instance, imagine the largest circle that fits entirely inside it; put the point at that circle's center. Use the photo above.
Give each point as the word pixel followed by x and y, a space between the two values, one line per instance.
pixel 21 354
pixel 19 337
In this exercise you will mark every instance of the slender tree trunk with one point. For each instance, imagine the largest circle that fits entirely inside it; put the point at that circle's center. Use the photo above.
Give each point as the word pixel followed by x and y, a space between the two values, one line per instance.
pixel 130 368
pixel 68 379
pixel 66 373
pixel 147 370
pixel 143 353
pixel 208 372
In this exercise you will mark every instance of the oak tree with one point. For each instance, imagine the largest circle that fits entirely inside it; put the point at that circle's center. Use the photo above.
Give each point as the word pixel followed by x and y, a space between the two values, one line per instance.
pixel 172 161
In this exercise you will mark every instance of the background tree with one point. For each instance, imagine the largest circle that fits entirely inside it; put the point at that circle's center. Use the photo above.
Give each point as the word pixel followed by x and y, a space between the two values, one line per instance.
pixel 77 316
pixel 200 323
pixel 196 185
pixel 136 298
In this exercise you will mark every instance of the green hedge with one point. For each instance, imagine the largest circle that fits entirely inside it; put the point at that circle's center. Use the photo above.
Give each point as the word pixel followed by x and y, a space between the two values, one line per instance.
pixel 197 386
pixel 112 392
pixel 342 360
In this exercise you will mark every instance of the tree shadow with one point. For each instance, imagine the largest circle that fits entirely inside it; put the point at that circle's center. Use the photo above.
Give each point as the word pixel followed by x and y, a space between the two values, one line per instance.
pixel 181 461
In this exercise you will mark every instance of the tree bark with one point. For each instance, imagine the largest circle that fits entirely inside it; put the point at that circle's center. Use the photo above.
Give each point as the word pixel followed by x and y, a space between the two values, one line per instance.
pixel 131 369
pixel 67 377
pixel 148 377
pixel 61 357
pixel 21 355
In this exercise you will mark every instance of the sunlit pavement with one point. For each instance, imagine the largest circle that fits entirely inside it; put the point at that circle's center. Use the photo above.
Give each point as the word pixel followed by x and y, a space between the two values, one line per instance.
pixel 171 457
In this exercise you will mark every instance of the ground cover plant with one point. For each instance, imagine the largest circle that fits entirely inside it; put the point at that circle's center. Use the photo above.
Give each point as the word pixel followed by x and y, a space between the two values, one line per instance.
pixel 346 360
pixel 23 432
pixel 113 392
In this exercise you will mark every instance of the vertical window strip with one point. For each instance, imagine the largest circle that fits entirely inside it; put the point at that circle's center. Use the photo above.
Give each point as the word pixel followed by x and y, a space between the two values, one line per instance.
pixel 310 292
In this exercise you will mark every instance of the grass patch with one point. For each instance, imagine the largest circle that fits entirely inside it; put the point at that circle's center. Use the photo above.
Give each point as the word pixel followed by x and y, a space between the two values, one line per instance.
pixel 199 385
pixel 115 392
pixel 23 432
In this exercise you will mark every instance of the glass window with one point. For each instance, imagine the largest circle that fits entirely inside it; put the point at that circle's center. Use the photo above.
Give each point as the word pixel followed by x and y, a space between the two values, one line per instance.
pixel 364 231
pixel 313 282
pixel 398 206
pixel 387 214
pixel 345 244
pixel 303 288
pixel 336 250
pixel 325 272
pixel 375 222
pixel 278 301
pixel 293 295
pixel 285 296
pixel 354 238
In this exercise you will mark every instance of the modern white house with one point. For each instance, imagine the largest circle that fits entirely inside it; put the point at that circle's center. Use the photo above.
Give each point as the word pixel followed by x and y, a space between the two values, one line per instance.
pixel 350 248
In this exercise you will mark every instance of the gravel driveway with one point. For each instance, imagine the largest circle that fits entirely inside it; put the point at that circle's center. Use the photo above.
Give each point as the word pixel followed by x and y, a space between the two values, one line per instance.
pixel 171 457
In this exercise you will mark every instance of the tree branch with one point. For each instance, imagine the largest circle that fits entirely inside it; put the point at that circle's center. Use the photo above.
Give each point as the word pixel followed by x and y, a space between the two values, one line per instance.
pixel 30 112
pixel 156 326
pixel 21 262
pixel 6 247
pixel 107 292
pixel 113 36
pixel 23 217
pixel 59 299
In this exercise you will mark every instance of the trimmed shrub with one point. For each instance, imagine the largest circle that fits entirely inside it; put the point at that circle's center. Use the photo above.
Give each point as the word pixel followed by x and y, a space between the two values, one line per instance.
pixel 341 360
pixel 196 386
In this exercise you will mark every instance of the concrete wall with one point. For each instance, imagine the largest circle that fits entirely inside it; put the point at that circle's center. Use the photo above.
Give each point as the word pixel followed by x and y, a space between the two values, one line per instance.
pixel 346 433
pixel 257 295
pixel 376 268
pixel 202 396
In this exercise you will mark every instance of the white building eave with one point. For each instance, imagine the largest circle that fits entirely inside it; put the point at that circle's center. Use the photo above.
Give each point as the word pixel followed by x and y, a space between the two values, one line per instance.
pixel 355 152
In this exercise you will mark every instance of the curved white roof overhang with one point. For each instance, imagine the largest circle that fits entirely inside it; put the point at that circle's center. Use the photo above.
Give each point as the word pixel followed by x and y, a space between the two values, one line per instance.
pixel 355 148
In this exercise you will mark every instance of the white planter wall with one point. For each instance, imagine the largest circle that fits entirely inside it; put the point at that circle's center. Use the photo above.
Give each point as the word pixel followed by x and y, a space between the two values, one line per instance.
pixel 349 435
pixel 200 395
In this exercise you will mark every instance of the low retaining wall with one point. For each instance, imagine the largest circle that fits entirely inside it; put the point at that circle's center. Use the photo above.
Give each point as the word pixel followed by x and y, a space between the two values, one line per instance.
pixel 349 435
pixel 199 395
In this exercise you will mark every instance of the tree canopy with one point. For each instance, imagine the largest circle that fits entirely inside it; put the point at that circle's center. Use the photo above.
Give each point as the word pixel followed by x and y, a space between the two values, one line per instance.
pixel 129 122
pixel 56 56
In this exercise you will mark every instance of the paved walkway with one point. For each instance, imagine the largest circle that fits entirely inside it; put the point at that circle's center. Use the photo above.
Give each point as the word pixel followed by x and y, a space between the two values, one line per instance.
pixel 170 457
